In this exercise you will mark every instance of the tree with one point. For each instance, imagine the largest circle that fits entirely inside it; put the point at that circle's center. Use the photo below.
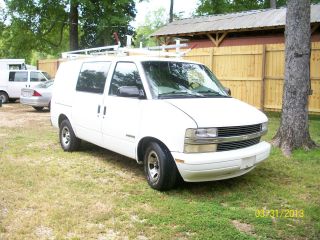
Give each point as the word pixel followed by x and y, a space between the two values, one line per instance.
pixel 207 7
pixel 153 21
pixel 273 3
pixel 33 27
pixel 73 25
pixel 98 28
pixel 294 129
pixel 49 26
pixel 171 11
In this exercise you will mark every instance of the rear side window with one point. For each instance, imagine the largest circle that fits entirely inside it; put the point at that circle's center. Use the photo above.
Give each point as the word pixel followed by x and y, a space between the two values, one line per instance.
pixel 125 74
pixel 37 77
pixel 92 77
pixel 18 76
pixel 16 67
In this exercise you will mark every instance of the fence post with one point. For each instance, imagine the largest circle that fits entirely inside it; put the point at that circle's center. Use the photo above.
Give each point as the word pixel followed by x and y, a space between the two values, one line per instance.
pixel 263 78
pixel 211 58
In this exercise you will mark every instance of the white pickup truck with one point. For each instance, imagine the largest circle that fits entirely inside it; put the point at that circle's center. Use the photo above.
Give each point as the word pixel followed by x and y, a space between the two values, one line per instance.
pixel 12 81
pixel 171 115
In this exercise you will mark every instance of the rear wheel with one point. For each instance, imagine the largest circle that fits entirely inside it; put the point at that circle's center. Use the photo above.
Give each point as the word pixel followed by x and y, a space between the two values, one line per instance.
pixel 4 97
pixel 160 168
pixel 68 140
pixel 39 109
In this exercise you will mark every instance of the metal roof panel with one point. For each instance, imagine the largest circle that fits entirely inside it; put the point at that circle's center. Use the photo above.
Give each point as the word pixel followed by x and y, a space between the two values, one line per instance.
pixel 266 18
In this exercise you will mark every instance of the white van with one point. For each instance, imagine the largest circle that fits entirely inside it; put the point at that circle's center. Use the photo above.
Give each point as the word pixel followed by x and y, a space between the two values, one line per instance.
pixel 171 115
pixel 12 81
pixel 12 64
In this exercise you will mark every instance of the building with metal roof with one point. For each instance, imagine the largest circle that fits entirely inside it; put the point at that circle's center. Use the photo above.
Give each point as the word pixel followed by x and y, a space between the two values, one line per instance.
pixel 266 22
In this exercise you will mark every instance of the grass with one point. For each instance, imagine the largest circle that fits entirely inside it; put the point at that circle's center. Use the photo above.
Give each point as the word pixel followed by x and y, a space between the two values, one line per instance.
pixel 46 193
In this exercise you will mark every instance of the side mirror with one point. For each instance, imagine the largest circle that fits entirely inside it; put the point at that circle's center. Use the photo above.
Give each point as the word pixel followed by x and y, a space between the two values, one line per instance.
pixel 130 91
pixel 228 90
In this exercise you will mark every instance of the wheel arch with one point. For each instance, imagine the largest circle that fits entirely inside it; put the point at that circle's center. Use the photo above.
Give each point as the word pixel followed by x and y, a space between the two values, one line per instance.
pixel 143 144
pixel 61 118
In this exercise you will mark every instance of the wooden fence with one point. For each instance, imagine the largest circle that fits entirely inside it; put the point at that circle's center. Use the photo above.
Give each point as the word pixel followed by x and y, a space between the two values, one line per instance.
pixel 255 73
pixel 49 65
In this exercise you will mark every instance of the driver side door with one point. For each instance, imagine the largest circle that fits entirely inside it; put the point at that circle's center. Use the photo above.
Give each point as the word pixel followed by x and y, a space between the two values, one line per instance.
pixel 121 115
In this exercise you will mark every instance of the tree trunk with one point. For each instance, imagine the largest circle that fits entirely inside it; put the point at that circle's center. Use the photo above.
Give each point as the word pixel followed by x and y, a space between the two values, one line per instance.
pixel 73 28
pixel 273 3
pixel 171 11
pixel 294 129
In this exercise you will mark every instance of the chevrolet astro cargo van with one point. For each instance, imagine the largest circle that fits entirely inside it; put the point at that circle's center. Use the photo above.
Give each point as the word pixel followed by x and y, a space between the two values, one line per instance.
pixel 171 115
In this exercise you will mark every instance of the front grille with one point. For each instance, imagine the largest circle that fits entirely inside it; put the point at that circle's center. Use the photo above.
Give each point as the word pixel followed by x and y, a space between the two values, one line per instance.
pixel 238 131
pixel 237 145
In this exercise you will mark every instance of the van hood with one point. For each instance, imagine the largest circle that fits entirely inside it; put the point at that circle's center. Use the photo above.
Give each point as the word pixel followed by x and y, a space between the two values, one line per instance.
pixel 219 112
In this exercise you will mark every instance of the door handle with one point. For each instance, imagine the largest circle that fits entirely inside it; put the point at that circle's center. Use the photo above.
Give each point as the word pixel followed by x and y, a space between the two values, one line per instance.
pixel 104 111
pixel 98 109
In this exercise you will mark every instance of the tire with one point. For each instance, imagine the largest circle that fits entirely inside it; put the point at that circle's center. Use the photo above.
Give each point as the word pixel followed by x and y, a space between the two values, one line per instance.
pixel 39 109
pixel 4 97
pixel 159 166
pixel 68 140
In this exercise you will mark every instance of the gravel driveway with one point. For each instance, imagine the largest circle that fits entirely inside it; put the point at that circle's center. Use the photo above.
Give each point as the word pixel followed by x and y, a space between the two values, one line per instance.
pixel 18 115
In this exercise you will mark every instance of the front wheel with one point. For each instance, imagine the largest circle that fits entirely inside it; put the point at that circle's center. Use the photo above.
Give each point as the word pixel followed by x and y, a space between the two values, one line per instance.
pixel 4 97
pixel 160 168
pixel 68 140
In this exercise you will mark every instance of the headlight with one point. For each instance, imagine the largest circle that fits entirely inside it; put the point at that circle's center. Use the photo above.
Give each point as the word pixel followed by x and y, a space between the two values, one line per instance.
pixel 192 133
pixel 264 127
pixel 195 140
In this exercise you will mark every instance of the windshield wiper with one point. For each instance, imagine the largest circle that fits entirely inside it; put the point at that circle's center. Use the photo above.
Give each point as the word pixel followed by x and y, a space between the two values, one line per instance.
pixel 180 94
pixel 211 92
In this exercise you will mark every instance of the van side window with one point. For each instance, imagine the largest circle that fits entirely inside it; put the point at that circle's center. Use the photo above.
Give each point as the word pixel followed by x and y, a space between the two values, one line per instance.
pixel 15 67
pixel 18 76
pixel 125 74
pixel 37 77
pixel 92 77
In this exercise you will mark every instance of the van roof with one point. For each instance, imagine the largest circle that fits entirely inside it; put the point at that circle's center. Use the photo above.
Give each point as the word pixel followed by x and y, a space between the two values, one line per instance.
pixel 12 60
pixel 137 58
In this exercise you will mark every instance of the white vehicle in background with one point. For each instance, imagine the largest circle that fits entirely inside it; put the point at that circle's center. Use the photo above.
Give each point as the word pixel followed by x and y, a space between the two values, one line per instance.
pixel 38 97
pixel 12 81
pixel 12 64
pixel 171 115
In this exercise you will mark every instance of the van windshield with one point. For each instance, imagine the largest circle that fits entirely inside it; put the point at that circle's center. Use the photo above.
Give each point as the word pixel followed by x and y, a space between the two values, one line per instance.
pixel 169 79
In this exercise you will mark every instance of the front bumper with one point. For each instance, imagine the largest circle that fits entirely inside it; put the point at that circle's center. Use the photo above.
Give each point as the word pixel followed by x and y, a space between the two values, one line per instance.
pixel 201 167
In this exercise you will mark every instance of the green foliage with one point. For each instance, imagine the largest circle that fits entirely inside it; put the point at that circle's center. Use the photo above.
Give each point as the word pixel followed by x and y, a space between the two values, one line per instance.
pixel 33 26
pixel 207 7
pixel 153 21
pixel 100 19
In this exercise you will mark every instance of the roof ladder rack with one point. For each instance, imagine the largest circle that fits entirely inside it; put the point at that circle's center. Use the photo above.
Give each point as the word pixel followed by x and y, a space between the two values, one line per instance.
pixel 116 50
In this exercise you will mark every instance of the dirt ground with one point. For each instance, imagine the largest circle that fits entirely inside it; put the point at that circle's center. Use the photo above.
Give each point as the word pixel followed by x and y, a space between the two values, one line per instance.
pixel 17 115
